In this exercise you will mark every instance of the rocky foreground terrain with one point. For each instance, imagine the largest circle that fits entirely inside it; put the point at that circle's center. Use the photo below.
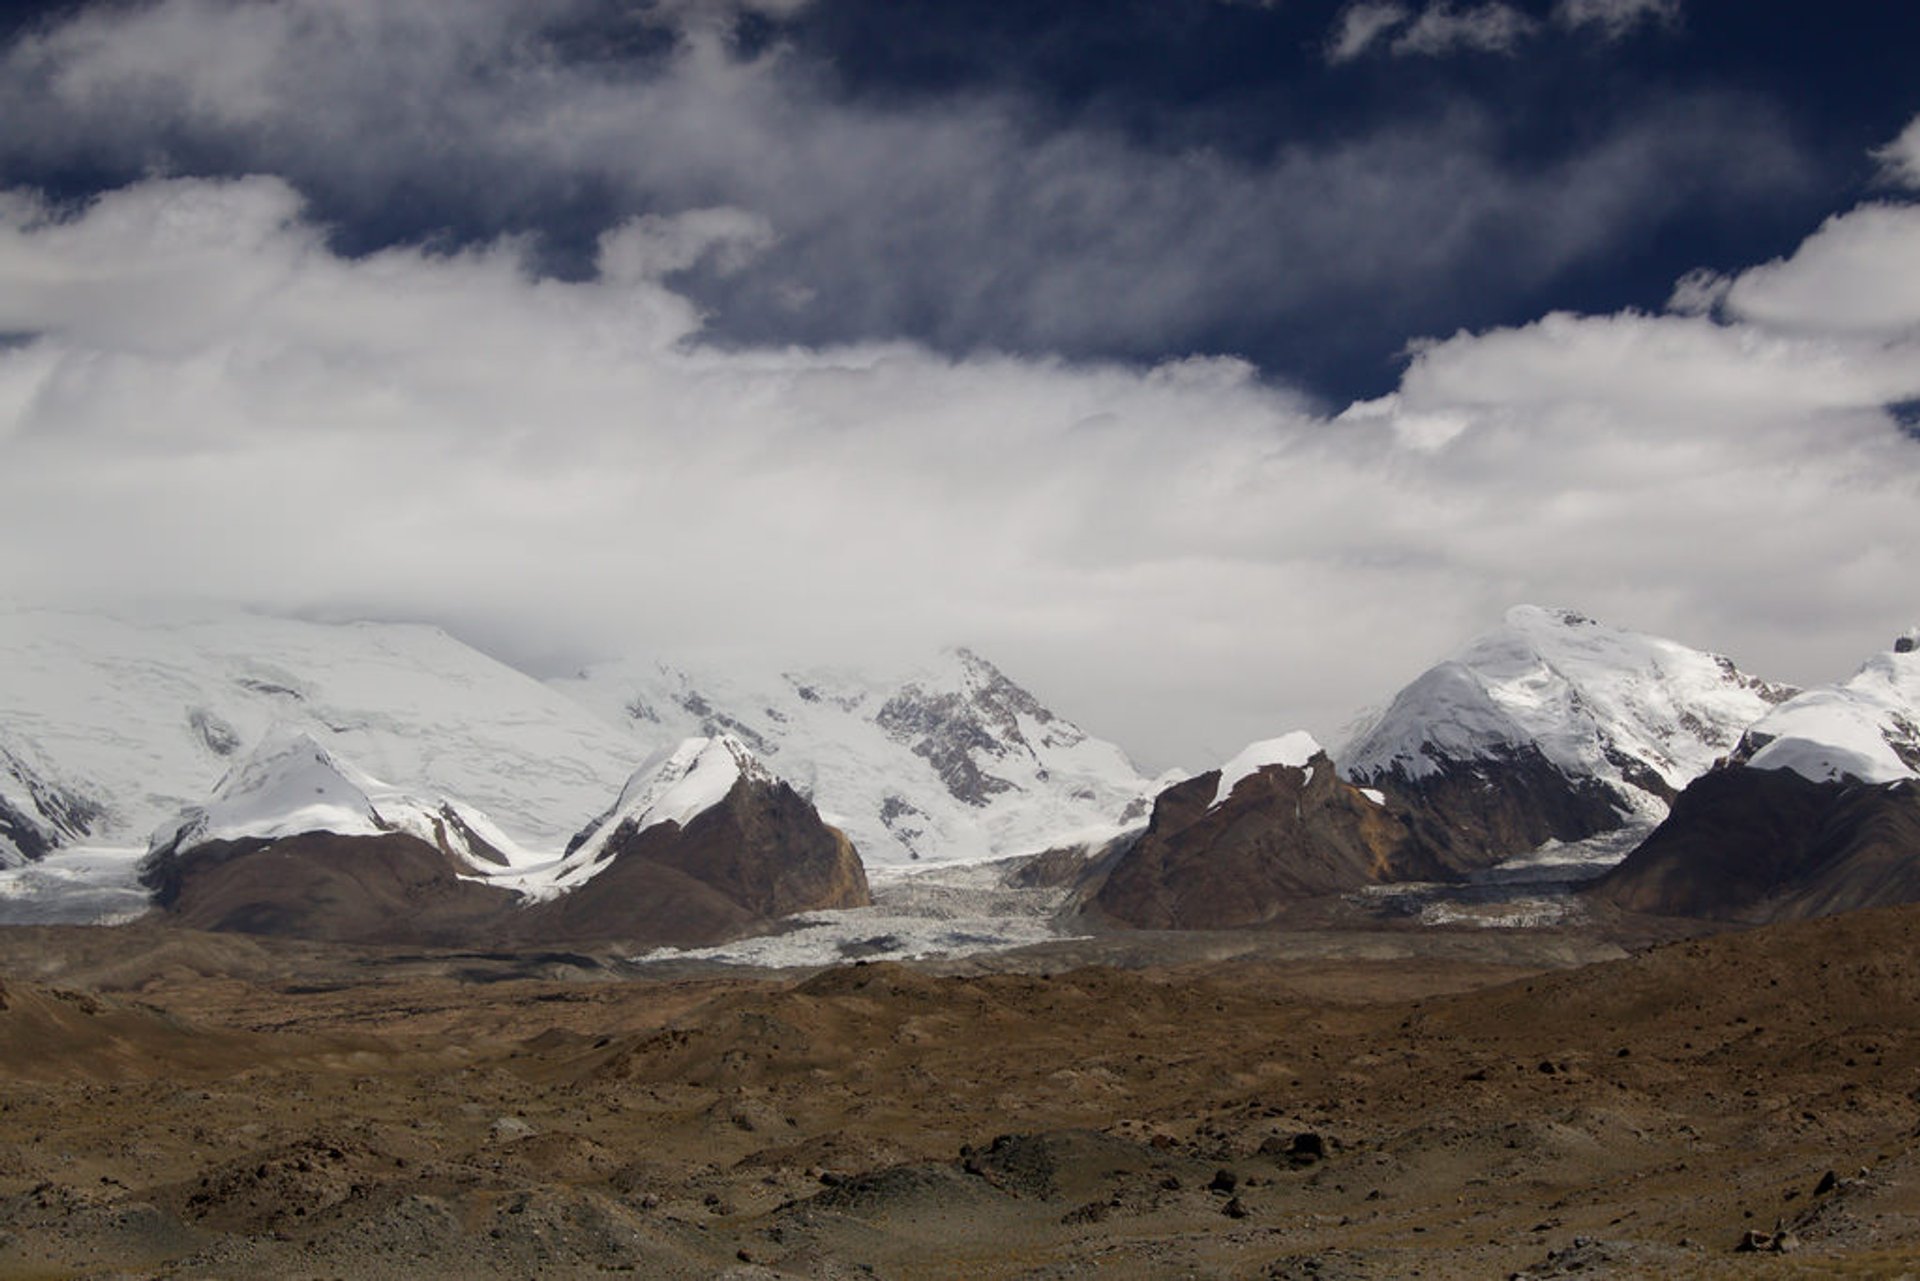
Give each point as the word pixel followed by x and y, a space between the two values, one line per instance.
pixel 1300 1103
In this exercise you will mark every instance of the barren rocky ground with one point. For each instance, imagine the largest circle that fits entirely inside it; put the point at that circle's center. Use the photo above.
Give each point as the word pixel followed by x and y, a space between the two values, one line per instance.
pixel 1311 1104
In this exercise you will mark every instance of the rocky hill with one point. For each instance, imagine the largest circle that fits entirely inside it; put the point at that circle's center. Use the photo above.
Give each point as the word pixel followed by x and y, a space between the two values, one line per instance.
pixel 1232 847
pixel 704 846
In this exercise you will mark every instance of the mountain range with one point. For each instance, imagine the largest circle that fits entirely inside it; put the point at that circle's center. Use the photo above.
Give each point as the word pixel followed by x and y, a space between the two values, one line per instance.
pixel 648 802
pixel 109 726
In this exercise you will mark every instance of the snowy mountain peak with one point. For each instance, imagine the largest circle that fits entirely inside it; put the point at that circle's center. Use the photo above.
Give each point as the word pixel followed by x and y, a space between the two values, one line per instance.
pixel 116 723
pixel 1865 729
pixel 1640 713
pixel 675 786
pixel 1293 750
pixel 951 761
pixel 290 785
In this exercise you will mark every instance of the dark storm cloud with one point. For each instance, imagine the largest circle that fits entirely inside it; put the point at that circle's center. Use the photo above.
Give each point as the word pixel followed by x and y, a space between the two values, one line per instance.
pixel 974 219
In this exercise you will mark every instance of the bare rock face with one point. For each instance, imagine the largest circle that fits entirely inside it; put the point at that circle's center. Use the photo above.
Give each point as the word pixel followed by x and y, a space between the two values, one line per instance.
pixel 1284 833
pixel 961 732
pixel 760 854
pixel 43 815
pixel 392 888
pixel 1474 813
pixel 1759 845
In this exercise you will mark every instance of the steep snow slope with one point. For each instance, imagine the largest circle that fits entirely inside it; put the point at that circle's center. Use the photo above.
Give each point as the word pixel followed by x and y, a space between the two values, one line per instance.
pixel 291 785
pixel 675 786
pixel 1639 714
pixel 117 724
pixel 1865 730
pixel 950 763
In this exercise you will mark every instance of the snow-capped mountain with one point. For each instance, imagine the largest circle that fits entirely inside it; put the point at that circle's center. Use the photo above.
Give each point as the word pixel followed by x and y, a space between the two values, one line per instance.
pixel 1556 726
pixel 704 844
pixel 950 763
pixel 1864 730
pixel 1816 811
pixel 108 726
pixel 674 786
pixel 291 786
pixel 1238 846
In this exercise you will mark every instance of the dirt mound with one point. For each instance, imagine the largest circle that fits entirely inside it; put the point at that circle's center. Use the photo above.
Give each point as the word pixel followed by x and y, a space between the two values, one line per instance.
pixel 57 1034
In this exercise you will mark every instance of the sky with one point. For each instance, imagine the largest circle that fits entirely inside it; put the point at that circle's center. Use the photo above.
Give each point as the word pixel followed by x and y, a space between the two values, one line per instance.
pixel 1214 366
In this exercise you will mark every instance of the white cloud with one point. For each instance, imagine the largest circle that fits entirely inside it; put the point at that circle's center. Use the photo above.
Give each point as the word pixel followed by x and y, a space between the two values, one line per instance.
pixel 1616 19
pixel 1361 25
pixel 1699 292
pixel 217 405
pixel 1446 27
pixel 1443 28
pixel 1900 159
pixel 964 221
pixel 1859 274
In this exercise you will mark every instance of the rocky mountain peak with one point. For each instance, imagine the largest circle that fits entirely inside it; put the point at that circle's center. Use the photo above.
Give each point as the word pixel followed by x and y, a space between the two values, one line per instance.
pixel 673 786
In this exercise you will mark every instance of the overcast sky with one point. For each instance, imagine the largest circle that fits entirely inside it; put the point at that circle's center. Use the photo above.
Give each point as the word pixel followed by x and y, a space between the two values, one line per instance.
pixel 1213 367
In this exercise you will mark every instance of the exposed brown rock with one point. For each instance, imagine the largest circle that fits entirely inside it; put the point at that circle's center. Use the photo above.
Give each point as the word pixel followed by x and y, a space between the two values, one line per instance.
pixel 760 854
pixel 1751 845
pixel 1475 814
pixel 1283 835
pixel 363 889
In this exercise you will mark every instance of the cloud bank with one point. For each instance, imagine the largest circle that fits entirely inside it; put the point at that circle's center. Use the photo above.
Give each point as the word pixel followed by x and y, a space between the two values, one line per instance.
pixel 203 397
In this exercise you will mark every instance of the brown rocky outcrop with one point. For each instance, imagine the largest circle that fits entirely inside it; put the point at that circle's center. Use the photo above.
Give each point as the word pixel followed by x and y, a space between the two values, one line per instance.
pixel 760 854
pixel 392 888
pixel 1475 813
pixel 1284 834
pixel 1769 844
pixel 734 869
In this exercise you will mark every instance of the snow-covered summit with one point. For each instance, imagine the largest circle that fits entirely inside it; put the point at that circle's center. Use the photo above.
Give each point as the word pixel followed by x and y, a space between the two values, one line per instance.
pixel 1641 714
pixel 1865 729
pixel 1291 750
pixel 115 723
pixel 676 786
pixel 951 761
pixel 290 785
